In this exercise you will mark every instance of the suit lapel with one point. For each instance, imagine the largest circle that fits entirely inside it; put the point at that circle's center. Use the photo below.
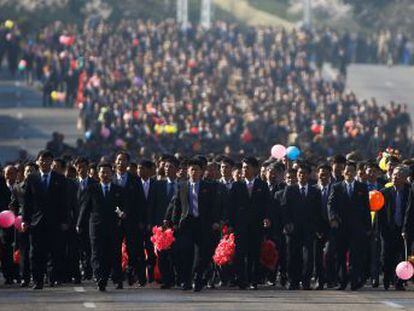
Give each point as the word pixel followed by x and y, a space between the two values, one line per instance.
pixel 184 198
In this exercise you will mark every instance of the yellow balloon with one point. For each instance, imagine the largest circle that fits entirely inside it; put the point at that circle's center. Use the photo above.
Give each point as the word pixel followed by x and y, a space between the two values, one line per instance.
pixel 389 184
pixel 373 217
pixel 54 95
pixel 9 24
pixel 383 164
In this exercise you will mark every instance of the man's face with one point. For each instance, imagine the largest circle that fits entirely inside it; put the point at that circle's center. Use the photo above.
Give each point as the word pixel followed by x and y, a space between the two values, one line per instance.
pixel 121 163
pixel 45 164
pixel 211 172
pixel 82 169
pixel 372 174
pixel 28 170
pixel 170 170
pixel 105 175
pixel 237 174
pixel 132 169
pixel 10 174
pixel 263 173
pixel 397 178
pixel 194 173
pixel 349 173
pixel 324 176
pixel 291 179
pixel 271 175
pixel 57 167
pixel 225 170
pixel 303 176
pixel 338 169
pixel 248 171
pixel 144 172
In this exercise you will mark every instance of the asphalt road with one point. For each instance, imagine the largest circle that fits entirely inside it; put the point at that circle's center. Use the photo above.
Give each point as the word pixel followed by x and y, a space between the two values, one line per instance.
pixel 25 124
pixel 385 83
pixel 150 298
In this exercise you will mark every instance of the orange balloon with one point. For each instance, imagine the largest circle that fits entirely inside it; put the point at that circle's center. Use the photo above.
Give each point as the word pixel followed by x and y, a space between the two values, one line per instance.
pixel 376 200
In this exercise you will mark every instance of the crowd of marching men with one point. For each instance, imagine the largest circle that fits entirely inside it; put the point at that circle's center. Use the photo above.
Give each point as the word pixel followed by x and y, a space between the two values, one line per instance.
pixel 75 217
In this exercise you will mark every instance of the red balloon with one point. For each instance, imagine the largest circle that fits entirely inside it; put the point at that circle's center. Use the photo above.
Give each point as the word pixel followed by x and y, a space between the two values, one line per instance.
pixel 376 200
pixel 316 129
pixel 6 219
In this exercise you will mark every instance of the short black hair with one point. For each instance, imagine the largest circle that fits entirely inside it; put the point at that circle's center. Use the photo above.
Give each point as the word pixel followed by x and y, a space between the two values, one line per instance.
pixel 61 161
pixel 81 160
pixel 277 166
pixel 339 159
pixel 305 167
pixel 351 163
pixel 251 161
pixel 291 171
pixel 195 162
pixel 227 160
pixel 146 163
pixel 45 154
pixel 324 166
pixel 173 160
pixel 202 159
pixel 104 164
pixel 122 152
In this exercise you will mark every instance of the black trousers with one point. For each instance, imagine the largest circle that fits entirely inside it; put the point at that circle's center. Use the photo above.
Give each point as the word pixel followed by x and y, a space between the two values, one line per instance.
pixel 72 255
pixel 197 250
pixel 106 254
pixel 23 241
pixel 46 241
pixel 300 257
pixel 85 252
pixel 8 266
pixel 247 257
pixel 352 244
pixel 393 253
pixel 131 233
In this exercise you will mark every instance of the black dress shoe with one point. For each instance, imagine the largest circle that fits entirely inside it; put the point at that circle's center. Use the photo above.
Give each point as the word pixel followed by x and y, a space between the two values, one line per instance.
pixel 319 286
pixel 24 284
pixel 341 287
pixel 355 287
pixel 186 286
pixel 8 281
pixel 165 286
pixel 77 281
pixel 37 286
pixel 198 286
pixel 399 287
pixel 119 286
pixel 293 287
pixel 242 285
pixel 101 285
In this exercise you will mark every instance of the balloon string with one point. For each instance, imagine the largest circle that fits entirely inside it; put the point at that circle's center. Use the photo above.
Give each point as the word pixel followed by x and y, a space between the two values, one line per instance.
pixel 406 249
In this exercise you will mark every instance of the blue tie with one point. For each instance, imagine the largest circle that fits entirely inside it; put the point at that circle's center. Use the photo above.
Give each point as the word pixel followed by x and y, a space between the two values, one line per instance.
pixel 44 181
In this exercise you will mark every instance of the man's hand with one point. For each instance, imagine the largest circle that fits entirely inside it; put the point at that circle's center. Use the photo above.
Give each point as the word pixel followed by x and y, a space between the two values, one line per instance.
pixel 267 223
pixel 216 226
pixel 25 227
pixel 334 224
pixel 288 229
pixel 78 230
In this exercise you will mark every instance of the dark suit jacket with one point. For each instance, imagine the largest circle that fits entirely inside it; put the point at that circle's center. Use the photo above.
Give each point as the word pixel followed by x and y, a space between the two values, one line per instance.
pixel 408 227
pixel 45 207
pixel 82 196
pixel 100 210
pixel 303 213
pixel 161 200
pixel 387 225
pixel 324 214
pixel 353 214
pixel 17 198
pixel 5 195
pixel 249 211
pixel 206 206
pixel 145 204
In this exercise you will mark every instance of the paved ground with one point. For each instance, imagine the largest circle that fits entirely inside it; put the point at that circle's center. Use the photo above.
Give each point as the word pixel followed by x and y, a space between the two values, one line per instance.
pixel 24 123
pixel 87 297
pixel 384 83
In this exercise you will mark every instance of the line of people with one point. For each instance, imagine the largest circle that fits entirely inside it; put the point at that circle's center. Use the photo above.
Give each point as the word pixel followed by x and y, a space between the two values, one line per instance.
pixel 76 215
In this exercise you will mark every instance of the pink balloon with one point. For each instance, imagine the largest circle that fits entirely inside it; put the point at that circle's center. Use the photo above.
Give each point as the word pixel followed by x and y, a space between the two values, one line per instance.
pixel 18 223
pixel 278 151
pixel 405 270
pixel 6 219
pixel 105 132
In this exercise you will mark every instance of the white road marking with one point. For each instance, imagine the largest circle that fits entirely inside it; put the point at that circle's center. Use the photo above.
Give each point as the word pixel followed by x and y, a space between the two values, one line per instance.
pixel 389 84
pixel 392 304
pixel 79 289
pixel 19 115
pixel 89 305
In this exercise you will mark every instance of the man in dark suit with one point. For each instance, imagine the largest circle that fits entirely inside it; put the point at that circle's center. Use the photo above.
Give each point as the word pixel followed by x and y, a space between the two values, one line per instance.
pixel 45 215
pixel 165 189
pixel 391 220
pixel 23 242
pixel 7 235
pixel 195 218
pixel 84 181
pixel 338 166
pixel 103 206
pixel 70 243
pixel 132 226
pixel 248 215
pixel 324 242
pixel 301 214
pixel 146 194
pixel 349 213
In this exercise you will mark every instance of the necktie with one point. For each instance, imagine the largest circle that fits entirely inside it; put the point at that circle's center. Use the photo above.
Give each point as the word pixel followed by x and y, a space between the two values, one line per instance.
pixel 44 181
pixel 194 200
pixel 303 192
pixel 105 190
pixel 398 218
pixel 350 190
pixel 146 188
pixel 250 187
